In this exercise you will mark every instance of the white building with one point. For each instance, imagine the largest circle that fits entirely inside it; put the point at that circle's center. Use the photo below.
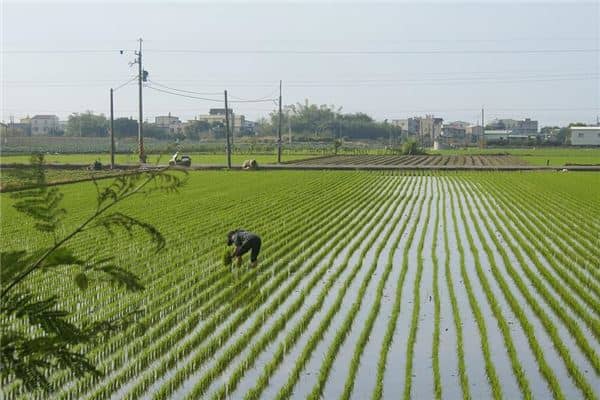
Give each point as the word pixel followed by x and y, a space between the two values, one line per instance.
pixel 165 121
pixel 217 115
pixel 585 135
pixel 43 124
pixel 169 123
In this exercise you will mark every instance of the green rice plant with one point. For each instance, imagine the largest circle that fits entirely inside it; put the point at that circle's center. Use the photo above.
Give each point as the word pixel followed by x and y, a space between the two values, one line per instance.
pixel 490 370
pixel 391 327
pixel 541 241
pixel 293 336
pixel 368 326
pixel 286 390
pixel 227 258
pixel 412 335
pixel 533 302
pixel 496 310
pixel 343 330
pixel 570 323
pixel 204 353
pixel 566 211
pixel 571 241
pixel 513 302
pixel 463 378
pixel 278 326
pixel 435 346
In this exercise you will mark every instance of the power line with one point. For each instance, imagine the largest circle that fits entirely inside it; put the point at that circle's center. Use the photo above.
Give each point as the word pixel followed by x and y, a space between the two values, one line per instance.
pixel 182 95
pixel 184 91
pixel 125 83
pixel 372 52
pixel 208 99
pixel 309 51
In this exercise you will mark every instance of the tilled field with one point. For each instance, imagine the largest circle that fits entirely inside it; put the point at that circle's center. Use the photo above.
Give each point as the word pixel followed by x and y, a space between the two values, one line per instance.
pixel 416 161
pixel 370 285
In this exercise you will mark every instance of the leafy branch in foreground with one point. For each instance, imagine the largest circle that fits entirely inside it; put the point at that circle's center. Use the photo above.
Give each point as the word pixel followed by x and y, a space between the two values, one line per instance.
pixel 37 336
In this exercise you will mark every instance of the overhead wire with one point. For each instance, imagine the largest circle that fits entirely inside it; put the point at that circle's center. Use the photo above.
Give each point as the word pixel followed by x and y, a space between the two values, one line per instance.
pixel 125 83
pixel 184 91
pixel 171 91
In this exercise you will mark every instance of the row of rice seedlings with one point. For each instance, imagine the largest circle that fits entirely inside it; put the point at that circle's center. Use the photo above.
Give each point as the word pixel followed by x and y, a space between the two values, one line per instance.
pixel 391 326
pixel 435 345
pixel 343 330
pixel 206 351
pixel 565 212
pixel 158 333
pixel 490 370
pixel 541 243
pixel 533 302
pixel 544 230
pixel 463 378
pixel 562 226
pixel 215 301
pixel 512 301
pixel 194 321
pixel 279 325
pixel 374 312
pixel 593 323
pixel 412 335
pixel 282 251
pixel 583 207
pixel 149 375
pixel 491 298
pixel 286 390
pixel 242 342
pixel 290 340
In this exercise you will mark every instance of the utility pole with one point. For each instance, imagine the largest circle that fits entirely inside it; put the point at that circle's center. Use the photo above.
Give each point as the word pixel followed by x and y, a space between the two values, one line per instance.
pixel 482 141
pixel 289 127
pixel 112 131
pixel 227 132
pixel 141 77
pixel 279 130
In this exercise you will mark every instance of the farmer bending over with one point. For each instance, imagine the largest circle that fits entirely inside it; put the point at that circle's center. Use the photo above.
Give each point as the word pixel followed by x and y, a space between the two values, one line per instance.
pixel 244 241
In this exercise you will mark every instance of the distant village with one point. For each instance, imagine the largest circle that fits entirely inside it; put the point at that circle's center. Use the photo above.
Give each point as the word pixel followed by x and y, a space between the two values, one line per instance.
pixel 428 130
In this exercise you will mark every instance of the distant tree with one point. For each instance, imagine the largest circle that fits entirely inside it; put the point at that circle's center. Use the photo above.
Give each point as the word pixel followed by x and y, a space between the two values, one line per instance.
pixel 193 129
pixel 87 124
pixel 157 132
pixel 38 335
pixel 125 127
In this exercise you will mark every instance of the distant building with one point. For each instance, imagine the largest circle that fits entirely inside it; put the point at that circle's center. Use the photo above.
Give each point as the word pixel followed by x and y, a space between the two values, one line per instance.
pixel 44 124
pixel 169 123
pixel 430 128
pixel 507 136
pixel 408 125
pixel 427 128
pixel 525 127
pixel 217 115
pixel 585 135
pixel 518 127
pixel 164 121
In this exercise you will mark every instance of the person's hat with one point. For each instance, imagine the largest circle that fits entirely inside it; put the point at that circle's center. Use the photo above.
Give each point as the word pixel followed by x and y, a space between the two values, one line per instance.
pixel 229 238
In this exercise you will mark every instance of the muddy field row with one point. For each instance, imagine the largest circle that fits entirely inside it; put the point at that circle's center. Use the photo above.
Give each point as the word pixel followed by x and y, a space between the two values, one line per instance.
pixel 416 160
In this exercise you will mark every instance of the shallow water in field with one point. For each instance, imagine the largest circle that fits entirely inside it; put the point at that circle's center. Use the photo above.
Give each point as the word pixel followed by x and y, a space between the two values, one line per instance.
pixel 253 373
pixel 339 369
pixel 393 379
pixel 311 370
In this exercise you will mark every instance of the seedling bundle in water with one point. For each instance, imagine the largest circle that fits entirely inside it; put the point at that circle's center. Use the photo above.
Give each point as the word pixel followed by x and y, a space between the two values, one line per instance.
pixel 227 258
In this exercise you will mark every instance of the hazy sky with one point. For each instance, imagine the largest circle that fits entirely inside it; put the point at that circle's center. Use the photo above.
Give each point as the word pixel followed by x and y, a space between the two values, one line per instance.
pixel 390 60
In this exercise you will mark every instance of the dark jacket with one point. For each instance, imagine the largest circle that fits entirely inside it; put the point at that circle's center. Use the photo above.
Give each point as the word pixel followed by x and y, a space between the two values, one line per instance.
pixel 239 237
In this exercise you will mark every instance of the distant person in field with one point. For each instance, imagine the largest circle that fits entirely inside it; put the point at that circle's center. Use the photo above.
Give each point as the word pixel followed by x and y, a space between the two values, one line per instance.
pixel 244 241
